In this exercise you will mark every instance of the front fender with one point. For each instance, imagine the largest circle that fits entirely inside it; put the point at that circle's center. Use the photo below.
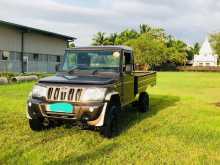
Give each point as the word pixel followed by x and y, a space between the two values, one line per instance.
pixel 100 121
pixel 109 95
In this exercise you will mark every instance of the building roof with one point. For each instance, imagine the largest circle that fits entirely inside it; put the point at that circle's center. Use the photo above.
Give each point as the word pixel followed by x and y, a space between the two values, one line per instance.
pixel 118 47
pixel 206 48
pixel 31 29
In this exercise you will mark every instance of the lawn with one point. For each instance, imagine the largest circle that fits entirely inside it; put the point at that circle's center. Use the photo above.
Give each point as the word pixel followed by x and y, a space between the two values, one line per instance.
pixel 183 127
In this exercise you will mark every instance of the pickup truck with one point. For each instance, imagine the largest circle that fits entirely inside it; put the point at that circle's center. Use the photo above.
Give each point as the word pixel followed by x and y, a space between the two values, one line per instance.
pixel 90 88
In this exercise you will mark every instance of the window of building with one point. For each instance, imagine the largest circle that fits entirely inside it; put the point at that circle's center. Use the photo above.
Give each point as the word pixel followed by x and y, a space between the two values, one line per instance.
pixel 35 56
pixel 1 54
pixel 207 64
pixel 58 59
pixel 5 55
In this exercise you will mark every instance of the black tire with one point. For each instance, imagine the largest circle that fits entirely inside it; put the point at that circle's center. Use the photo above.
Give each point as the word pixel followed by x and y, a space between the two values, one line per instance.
pixel 110 127
pixel 36 124
pixel 143 102
pixel 134 104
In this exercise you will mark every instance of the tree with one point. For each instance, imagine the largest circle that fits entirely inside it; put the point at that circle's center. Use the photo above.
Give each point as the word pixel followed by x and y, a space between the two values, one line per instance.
pixel 126 35
pixel 148 50
pixel 100 39
pixel 154 52
pixel 71 45
pixel 193 50
pixel 158 33
pixel 215 42
pixel 177 50
pixel 144 28
pixel 196 48
pixel 151 46
pixel 112 38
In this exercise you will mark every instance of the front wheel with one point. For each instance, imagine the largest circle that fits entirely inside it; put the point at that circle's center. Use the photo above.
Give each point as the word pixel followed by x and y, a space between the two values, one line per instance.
pixel 110 126
pixel 36 124
pixel 143 102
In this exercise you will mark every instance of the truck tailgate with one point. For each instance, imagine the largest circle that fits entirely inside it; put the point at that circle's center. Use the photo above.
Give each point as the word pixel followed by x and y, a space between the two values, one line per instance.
pixel 142 80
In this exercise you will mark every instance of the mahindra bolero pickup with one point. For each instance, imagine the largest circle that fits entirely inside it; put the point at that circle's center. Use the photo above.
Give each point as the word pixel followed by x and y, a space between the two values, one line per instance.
pixel 91 87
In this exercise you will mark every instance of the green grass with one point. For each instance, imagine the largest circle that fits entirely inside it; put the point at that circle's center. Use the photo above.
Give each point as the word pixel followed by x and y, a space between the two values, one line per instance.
pixel 183 127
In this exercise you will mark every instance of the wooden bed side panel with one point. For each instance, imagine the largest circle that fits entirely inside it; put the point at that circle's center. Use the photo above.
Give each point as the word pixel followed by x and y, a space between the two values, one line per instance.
pixel 141 83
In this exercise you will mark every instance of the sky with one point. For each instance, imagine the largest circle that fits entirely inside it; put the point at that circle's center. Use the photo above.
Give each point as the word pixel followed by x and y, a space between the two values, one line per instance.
pixel 188 20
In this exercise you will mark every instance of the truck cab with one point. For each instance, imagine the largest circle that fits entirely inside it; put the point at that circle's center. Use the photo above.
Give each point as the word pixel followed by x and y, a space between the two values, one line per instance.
pixel 91 87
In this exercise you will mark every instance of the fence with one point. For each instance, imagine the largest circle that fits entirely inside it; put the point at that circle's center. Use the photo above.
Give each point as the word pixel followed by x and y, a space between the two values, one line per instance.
pixel 38 66
pixel 10 66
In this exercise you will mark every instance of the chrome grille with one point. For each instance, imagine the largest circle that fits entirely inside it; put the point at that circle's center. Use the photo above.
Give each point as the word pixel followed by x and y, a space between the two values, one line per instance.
pixel 64 94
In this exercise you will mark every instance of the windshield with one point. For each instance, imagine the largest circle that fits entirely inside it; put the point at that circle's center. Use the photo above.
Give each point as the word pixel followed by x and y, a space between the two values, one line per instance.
pixel 91 60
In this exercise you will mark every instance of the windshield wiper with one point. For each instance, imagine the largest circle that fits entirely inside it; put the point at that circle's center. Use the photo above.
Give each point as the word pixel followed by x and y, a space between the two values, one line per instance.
pixel 77 67
pixel 73 69
pixel 95 71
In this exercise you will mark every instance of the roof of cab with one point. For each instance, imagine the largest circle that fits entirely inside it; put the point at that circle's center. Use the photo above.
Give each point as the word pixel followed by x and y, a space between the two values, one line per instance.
pixel 93 48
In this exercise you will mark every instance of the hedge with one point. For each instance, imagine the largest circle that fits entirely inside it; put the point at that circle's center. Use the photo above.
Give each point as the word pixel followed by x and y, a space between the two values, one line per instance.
pixel 198 68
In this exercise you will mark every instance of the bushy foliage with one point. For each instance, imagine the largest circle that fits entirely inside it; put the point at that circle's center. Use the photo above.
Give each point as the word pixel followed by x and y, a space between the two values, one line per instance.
pixel 150 50
pixel 193 50
pixel 126 35
pixel 151 46
pixel 215 41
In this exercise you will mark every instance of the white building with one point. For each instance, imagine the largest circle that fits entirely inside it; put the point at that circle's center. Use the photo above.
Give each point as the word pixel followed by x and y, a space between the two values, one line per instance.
pixel 206 56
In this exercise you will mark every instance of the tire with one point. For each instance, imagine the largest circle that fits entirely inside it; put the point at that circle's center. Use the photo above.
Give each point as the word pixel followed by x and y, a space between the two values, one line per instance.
pixel 36 124
pixel 134 104
pixel 110 127
pixel 143 102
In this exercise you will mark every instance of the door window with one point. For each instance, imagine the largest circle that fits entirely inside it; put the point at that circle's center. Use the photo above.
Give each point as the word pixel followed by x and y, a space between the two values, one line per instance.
pixel 127 62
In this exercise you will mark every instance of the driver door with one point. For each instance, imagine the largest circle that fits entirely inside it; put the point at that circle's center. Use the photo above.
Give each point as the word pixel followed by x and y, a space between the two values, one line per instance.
pixel 127 79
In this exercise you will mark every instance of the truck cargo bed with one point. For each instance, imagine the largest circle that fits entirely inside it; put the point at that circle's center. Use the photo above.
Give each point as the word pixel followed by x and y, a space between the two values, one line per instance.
pixel 142 80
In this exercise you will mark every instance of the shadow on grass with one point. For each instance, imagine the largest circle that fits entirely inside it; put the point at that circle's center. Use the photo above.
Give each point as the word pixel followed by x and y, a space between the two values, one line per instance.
pixel 131 115
pixel 128 118
pixel 92 155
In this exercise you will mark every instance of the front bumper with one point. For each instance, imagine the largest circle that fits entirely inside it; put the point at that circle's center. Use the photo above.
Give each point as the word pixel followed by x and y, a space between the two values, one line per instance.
pixel 90 113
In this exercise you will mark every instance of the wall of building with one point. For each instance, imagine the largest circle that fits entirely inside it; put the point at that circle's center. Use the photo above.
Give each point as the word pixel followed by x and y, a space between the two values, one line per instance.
pixel 42 51
pixel 43 44
pixel 10 39
pixel 205 64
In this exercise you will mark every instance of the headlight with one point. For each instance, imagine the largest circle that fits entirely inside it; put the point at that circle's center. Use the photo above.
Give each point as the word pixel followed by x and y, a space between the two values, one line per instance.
pixel 93 94
pixel 39 91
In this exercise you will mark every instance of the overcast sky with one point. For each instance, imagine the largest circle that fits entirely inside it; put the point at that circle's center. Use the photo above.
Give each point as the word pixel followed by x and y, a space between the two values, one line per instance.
pixel 189 20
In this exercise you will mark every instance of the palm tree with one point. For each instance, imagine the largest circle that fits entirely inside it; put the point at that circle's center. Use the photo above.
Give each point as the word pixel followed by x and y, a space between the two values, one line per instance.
pixel 144 28
pixel 196 48
pixel 99 39
pixel 128 34
pixel 112 38
pixel 193 50
pixel 158 33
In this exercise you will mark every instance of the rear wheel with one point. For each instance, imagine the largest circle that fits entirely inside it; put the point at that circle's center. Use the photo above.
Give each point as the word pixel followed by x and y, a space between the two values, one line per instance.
pixel 110 127
pixel 143 102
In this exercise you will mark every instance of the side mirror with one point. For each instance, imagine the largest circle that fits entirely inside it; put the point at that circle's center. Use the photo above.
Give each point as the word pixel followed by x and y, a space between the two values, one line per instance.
pixel 57 67
pixel 128 68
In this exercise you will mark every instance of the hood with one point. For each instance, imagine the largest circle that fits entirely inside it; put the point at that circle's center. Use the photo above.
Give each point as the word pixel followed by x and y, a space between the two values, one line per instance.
pixel 64 79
